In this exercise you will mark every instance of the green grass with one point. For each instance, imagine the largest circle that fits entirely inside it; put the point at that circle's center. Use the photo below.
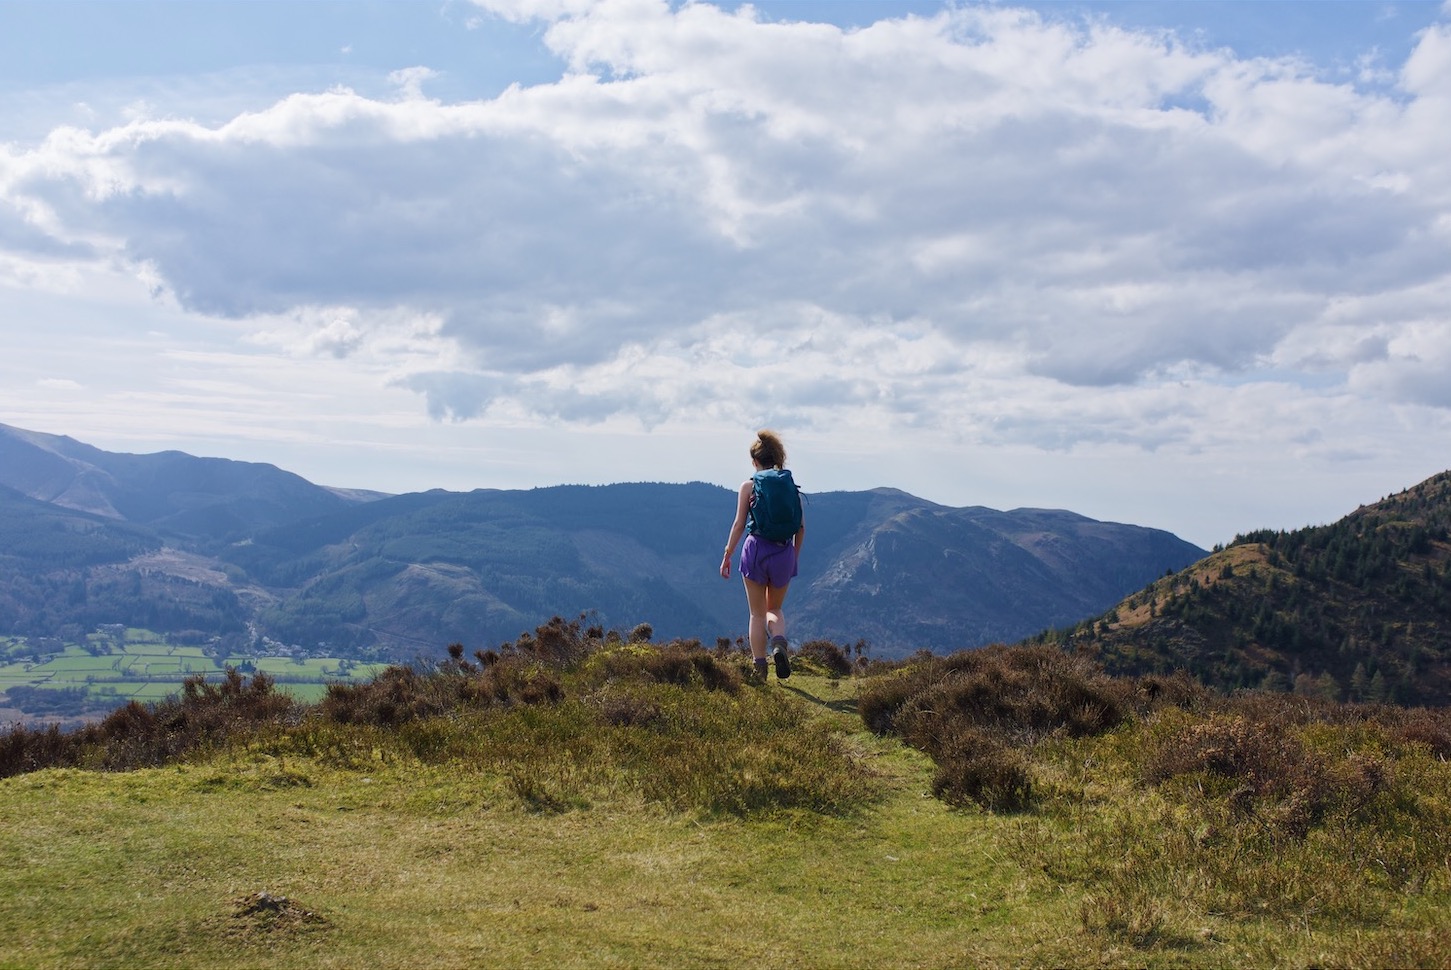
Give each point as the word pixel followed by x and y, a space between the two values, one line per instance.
pixel 149 691
pixel 1260 829
pixel 318 668
pixel 409 862
pixel 14 674
pixel 639 820
pixel 304 693
pixel 82 663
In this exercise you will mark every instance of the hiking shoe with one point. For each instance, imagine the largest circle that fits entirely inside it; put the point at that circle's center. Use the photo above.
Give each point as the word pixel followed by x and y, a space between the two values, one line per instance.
pixel 778 654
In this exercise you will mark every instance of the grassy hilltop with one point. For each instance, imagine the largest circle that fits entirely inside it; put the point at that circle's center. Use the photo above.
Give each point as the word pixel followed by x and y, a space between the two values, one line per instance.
pixel 579 799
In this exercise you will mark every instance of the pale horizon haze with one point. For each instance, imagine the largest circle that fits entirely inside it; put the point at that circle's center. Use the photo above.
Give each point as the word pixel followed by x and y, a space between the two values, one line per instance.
pixel 1181 265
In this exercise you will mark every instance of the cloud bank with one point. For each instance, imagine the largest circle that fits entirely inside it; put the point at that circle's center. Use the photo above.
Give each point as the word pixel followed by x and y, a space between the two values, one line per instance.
pixel 1015 229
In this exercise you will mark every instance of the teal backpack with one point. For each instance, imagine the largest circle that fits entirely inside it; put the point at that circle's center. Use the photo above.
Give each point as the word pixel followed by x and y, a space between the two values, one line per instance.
pixel 776 508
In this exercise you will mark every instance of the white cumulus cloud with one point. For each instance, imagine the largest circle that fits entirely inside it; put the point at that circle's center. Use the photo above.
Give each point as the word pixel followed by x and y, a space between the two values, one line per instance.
pixel 1016 228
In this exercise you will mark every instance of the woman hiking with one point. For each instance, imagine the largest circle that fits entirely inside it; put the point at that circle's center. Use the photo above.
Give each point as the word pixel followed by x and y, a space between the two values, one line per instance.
pixel 768 512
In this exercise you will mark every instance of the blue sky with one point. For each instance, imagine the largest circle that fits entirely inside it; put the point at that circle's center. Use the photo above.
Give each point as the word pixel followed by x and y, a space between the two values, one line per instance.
pixel 106 39
pixel 1186 265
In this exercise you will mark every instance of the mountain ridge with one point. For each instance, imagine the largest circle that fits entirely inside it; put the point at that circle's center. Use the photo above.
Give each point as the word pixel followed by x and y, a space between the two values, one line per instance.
pixel 382 576
pixel 170 490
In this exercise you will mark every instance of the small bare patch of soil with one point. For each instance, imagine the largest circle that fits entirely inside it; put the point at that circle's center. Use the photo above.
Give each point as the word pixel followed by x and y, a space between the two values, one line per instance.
pixel 262 915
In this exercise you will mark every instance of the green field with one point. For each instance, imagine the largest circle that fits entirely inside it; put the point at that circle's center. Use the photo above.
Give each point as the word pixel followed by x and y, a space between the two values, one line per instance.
pixel 142 667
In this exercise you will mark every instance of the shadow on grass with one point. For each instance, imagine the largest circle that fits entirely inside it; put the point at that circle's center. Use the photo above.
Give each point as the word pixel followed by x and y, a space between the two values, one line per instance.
pixel 842 705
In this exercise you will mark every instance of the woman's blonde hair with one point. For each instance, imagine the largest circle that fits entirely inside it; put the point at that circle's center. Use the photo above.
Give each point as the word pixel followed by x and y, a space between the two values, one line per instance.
pixel 767 450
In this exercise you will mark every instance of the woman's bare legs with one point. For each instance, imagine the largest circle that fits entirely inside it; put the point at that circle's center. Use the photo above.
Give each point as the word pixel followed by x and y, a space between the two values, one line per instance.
pixel 756 601
pixel 775 618
pixel 767 620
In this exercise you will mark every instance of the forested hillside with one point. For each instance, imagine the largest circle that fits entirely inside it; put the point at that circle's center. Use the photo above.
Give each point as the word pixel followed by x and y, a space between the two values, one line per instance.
pixel 63 573
pixel 1358 609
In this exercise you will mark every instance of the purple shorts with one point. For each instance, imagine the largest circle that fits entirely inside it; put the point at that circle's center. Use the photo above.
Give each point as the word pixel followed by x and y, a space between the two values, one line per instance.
pixel 768 563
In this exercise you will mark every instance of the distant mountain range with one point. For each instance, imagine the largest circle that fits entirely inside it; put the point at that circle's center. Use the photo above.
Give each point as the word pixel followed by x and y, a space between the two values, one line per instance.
pixel 208 547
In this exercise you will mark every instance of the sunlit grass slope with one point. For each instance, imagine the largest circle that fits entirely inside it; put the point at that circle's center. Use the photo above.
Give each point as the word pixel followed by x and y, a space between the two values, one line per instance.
pixel 591 803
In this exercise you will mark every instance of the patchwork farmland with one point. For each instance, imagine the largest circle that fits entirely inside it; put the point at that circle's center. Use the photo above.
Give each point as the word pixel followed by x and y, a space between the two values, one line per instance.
pixel 110 668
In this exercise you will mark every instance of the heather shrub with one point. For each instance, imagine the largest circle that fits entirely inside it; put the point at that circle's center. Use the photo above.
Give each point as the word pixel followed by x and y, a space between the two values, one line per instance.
pixel 560 642
pixel 691 749
pixel 1429 728
pixel 740 754
pixel 396 695
pixel 518 683
pixel 683 663
pixel 827 655
pixel 145 735
pixel 1018 693
pixel 666 722
pixel 977 768
pixel 882 698
pixel 1170 690
pixel 976 712
pixel 24 749
pixel 402 694
pixel 1287 779
pixel 625 708
pixel 1262 771
pixel 1259 807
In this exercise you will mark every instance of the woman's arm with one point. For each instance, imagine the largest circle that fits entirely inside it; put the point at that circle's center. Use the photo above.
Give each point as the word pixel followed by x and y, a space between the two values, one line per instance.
pixel 743 508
